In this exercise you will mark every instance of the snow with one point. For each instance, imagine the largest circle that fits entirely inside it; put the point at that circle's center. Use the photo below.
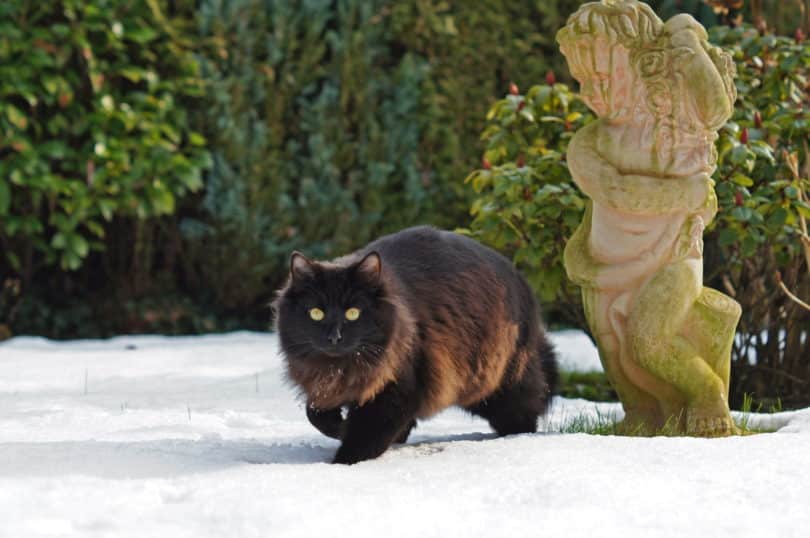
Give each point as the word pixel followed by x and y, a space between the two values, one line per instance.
pixel 200 436
pixel 576 352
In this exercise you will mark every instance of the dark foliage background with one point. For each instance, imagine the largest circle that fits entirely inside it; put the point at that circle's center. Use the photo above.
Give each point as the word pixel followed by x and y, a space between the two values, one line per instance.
pixel 311 124
pixel 159 159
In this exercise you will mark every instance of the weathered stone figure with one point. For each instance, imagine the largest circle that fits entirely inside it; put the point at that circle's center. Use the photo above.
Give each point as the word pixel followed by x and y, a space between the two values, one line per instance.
pixel 661 92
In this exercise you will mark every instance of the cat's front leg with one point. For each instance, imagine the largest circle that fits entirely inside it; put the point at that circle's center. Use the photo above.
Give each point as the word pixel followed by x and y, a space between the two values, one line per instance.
pixel 371 428
pixel 328 421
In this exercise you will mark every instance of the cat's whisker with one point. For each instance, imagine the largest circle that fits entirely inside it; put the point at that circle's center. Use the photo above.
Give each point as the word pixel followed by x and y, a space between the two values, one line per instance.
pixel 373 349
pixel 371 352
pixel 300 350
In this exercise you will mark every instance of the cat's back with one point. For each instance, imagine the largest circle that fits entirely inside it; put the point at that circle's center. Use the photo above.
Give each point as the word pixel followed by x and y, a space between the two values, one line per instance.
pixel 424 255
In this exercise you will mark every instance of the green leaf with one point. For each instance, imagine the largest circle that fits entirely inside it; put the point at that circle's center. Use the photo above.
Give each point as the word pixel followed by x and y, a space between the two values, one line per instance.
pixel 107 207
pixel 133 74
pixel 70 261
pixel 748 246
pixel 78 245
pixel 95 228
pixel 742 156
pixel 163 202
pixel 742 179
pixel 778 218
pixel 196 139
pixel 59 241
pixel 727 236
pixel 5 197
pixel 141 35
pixel 13 260
pixel 16 116
pixel 743 214
pixel 762 150
pixel 55 149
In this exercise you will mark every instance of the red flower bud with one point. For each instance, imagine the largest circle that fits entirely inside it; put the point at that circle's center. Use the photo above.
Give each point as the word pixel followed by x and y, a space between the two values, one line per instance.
pixel 486 164
pixel 567 125
pixel 521 161
pixel 550 78
pixel 744 136
pixel 521 105
pixel 757 120
pixel 738 199
pixel 513 89
pixel 799 35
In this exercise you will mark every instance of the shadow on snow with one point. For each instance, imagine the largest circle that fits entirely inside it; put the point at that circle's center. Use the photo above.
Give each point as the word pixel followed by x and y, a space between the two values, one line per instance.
pixel 174 457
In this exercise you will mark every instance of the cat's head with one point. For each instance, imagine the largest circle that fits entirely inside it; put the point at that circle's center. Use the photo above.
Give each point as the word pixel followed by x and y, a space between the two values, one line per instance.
pixel 334 312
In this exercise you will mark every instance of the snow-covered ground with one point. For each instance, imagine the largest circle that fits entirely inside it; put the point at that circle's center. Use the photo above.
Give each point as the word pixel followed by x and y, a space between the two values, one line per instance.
pixel 200 436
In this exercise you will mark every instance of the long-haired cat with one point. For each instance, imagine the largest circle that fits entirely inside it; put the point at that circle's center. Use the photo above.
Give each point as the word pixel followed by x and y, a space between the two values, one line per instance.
pixel 413 323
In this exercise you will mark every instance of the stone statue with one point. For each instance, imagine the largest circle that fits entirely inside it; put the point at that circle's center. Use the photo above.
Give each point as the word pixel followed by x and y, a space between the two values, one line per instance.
pixel 661 92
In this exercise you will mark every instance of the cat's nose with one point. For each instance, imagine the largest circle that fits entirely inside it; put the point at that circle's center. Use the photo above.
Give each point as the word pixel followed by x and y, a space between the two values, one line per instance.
pixel 335 336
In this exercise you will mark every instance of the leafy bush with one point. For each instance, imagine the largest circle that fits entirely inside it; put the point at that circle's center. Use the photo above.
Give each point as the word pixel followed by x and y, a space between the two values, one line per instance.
pixel 527 205
pixel 333 122
pixel 329 122
pixel 93 126
pixel 779 16
pixel 310 151
pixel 763 181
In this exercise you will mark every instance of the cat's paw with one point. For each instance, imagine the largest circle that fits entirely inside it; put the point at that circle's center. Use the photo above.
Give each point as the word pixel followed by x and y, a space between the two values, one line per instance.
pixel 345 459
pixel 329 422
pixel 403 437
pixel 348 455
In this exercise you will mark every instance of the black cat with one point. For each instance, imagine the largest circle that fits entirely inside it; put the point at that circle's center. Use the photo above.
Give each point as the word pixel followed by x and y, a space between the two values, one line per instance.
pixel 411 324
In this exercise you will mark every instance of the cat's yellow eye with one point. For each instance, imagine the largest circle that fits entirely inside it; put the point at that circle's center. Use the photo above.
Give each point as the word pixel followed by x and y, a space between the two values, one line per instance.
pixel 316 314
pixel 352 314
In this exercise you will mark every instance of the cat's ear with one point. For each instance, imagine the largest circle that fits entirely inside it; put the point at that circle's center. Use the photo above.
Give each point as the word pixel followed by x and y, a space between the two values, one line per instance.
pixel 300 266
pixel 371 266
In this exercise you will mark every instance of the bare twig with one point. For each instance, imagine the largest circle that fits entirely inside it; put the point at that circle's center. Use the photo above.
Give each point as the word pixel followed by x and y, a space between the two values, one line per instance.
pixel 789 293
pixel 729 286
pixel 792 160
pixel 781 373
pixel 794 167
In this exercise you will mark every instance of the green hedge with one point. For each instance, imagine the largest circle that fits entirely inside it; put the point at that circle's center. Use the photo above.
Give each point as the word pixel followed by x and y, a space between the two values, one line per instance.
pixel 94 126
pixel 159 160
pixel 332 122
pixel 328 123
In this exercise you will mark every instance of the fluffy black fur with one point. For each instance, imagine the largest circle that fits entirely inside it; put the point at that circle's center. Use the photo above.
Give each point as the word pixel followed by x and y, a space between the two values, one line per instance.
pixel 444 321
